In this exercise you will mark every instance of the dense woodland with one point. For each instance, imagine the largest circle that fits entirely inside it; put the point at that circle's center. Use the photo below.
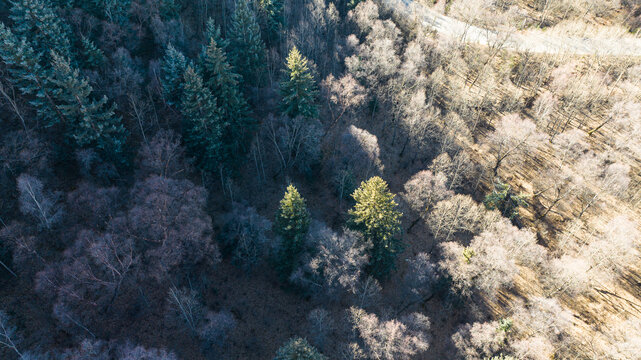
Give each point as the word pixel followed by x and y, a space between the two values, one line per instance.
pixel 308 179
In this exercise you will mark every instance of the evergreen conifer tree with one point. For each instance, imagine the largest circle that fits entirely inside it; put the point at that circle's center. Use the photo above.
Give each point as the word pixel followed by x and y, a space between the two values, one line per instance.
pixel 298 88
pixel 292 223
pixel 93 57
pixel 298 349
pixel 27 74
pixel 212 31
pixel 271 19
pixel 223 83
pixel 202 127
pixel 89 122
pixel 37 21
pixel 247 49
pixel 376 216
pixel 115 11
pixel 174 65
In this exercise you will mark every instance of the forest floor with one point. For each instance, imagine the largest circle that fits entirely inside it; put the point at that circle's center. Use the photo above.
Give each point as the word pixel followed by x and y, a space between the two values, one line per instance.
pixel 540 42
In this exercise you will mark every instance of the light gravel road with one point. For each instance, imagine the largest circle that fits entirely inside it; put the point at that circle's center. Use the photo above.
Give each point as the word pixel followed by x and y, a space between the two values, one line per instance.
pixel 524 42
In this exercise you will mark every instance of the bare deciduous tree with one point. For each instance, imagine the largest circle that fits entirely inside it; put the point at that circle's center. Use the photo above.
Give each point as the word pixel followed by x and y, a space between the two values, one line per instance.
pixel 513 138
pixel 357 159
pixel 617 248
pixel 458 169
pixel 93 206
pixel 163 156
pixel 321 325
pixel 541 324
pixel 569 274
pixel 168 219
pixel 8 336
pixel 245 236
pixel 604 175
pixel 420 279
pixel 392 339
pixel 555 185
pixel 458 214
pixel 343 95
pixel 570 145
pixel 296 142
pixel 490 261
pixel 424 190
pixel 486 269
pixel 479 340
pixel 337 265
pixel 35 201
pixel 186 308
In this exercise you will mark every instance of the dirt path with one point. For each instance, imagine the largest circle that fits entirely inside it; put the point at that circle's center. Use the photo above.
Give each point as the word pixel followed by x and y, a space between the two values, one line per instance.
pixel 523 42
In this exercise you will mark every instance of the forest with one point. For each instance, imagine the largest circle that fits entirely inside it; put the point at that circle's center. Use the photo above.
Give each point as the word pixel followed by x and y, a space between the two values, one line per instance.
pixel 317 179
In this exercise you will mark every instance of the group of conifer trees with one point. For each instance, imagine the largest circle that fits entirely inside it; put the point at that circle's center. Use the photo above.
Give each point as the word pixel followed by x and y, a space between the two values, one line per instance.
pixel 44 59
pixel 209 91
pixel 43 63
pixel 375 215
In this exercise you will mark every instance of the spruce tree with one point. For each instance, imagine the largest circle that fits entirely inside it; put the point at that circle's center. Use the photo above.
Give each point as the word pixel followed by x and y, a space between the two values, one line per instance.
pixel 298 349
pixel 174 65
pixel 298 88
pixel 170 9
pixel 115 11
pixel 505 200
pixel 37 21
pixel 202 124
pixel 292 223
pixel 212 31
pixel 223 83
pixel 89 122
pixel 24 70
pixel 247 49
pixel 376 216
pixel 271 19
pixel 93 57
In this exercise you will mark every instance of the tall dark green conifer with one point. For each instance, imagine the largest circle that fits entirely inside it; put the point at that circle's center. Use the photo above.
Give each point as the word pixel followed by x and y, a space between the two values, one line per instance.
pixel 93 57
pixel 223 83
pixel 298 87
pixel 202 126
pixel 247 49
pixel 213 31
pixel 271 19
pixel 116 11
pixel 376 216
pixel 27 74
pixel 292 224
pixel 89 122
pixel 37 21
pixel 174 65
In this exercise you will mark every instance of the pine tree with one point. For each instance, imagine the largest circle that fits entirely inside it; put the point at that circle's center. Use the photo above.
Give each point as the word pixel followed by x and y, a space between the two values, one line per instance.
pixel 298 87
pixel 292 223
pixel 170 9
pixel 298 349
pixel 376 216
pixel 89 122
pixel 174 65
pixel 115 11
pixel 202 128
pixel 37 21
pixel 26 73
pixel 271 18
pixel 505 200
pixel 212 31
pixel 223 83
pixel 247 49
pixel 93 57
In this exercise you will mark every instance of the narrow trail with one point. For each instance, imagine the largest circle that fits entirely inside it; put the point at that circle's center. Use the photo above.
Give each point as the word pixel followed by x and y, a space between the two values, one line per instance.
pixel 541 43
